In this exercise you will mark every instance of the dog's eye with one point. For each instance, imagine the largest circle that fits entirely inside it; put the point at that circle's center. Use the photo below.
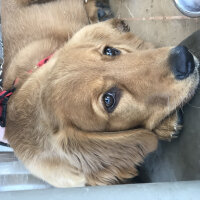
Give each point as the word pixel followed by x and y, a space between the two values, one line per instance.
pixel 111 99
pixel 109 51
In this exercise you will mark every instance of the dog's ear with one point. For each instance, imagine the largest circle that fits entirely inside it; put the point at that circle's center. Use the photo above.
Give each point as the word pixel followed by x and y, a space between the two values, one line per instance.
pixel 108 157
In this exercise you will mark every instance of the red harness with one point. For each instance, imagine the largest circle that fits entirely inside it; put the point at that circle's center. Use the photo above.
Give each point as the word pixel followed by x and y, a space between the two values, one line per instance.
pixel 5 95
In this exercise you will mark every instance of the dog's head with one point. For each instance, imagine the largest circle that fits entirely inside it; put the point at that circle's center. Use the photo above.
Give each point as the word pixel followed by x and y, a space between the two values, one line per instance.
pixel 105 92
pixel 110 82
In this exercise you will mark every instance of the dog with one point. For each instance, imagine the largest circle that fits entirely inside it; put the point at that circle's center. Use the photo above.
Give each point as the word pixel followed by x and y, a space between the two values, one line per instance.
pixel 89 100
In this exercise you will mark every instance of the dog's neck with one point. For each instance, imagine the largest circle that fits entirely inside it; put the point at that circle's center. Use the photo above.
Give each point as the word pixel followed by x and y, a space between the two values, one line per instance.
pixel 5 95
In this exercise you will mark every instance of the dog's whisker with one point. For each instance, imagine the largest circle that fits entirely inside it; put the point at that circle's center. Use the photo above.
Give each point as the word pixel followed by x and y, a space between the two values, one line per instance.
pixel 181 107
pixel 198 107
pixel 168 104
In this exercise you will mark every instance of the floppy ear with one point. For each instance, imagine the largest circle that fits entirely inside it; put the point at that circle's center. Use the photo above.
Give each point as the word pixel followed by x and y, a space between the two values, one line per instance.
pixel 108 157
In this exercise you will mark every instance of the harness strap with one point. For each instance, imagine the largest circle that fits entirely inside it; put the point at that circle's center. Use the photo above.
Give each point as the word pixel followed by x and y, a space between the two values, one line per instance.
pixel 4 97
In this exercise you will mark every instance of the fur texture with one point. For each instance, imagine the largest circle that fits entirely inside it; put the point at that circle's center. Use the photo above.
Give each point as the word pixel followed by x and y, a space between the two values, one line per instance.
pixel 56 122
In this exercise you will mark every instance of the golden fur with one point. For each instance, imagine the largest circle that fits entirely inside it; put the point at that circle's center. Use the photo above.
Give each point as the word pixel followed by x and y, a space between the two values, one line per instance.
pixel 56 122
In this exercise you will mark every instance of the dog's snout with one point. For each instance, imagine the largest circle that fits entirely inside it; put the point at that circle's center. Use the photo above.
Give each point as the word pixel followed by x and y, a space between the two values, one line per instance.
pixel 182 62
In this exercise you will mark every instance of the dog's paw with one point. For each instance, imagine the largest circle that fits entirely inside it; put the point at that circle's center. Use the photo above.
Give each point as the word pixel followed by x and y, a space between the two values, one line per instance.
pixel 170 127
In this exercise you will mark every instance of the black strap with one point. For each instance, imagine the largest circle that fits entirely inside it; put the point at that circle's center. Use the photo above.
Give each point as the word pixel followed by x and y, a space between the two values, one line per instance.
pixel 3 103
pixel 4 144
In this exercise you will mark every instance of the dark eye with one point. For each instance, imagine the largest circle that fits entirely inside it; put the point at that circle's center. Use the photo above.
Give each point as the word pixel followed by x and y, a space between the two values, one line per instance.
pixel 109 51
pixel 111 99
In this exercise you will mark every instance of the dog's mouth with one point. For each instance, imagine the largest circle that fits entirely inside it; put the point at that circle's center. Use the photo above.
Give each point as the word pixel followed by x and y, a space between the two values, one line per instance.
pixel 179 109
pixel 185 68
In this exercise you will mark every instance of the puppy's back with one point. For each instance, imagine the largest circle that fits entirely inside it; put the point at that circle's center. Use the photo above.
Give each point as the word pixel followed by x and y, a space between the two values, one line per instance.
pixel 23 24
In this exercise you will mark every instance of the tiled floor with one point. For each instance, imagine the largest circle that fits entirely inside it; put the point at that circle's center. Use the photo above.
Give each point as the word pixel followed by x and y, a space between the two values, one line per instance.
pixel 156 21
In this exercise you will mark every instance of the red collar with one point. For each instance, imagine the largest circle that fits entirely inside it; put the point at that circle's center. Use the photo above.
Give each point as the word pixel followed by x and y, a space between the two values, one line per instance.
pixel 5 95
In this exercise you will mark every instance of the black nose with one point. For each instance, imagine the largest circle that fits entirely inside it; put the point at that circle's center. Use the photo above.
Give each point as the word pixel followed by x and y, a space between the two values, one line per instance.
pixel 181 62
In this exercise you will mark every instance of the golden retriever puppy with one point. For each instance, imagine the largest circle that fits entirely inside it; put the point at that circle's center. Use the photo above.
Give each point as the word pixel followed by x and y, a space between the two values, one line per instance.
pixel 101 99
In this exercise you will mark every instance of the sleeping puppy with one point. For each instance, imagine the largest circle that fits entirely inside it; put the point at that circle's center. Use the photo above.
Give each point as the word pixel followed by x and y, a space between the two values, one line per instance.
pixel 99 98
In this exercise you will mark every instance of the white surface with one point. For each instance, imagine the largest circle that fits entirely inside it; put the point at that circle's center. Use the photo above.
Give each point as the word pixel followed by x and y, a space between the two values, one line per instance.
pixel 152 191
